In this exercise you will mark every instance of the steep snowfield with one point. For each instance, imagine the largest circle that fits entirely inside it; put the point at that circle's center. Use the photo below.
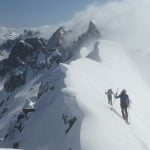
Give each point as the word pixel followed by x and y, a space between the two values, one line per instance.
pixel 71 110
pixel 45 129
pixel 46 123
pixel 102 127
pixel 77 90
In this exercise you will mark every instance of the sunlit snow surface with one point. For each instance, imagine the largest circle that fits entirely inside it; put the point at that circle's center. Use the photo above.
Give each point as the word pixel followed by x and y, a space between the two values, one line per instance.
pixel 80 91
pixel 102 127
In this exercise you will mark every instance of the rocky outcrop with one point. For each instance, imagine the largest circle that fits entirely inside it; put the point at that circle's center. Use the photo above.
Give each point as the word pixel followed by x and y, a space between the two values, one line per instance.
pixel 24 52
pixel 95 53
pixel 57 40
pixel 27 50
pixel 8 45
pixel 15 80
pixel 90 36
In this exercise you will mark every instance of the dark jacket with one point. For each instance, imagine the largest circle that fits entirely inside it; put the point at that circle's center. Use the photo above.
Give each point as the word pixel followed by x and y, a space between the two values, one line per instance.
pixel 124 100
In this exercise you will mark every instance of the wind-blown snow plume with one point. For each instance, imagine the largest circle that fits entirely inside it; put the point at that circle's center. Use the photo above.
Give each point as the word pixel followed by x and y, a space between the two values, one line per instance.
pixel 124 21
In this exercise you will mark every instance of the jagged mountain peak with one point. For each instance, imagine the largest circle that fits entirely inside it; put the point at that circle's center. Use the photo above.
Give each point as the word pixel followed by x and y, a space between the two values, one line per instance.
pixel 93 30
pixel 61 29
pixel 92 25
pixel 92 33
pixel 88 38
pixel 57 39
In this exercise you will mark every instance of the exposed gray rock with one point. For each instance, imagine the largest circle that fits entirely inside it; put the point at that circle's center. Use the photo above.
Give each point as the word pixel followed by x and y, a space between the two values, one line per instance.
pixel 90 36
pixel 57 42
pixel 24 52
pixel 95 53
pixel 15 80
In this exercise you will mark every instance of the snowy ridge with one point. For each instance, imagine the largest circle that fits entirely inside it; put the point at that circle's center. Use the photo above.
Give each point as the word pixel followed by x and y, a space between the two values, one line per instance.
pixel 35 89
pixel 74 92
pixel 73 109
pixel 52 89
pixel 88 80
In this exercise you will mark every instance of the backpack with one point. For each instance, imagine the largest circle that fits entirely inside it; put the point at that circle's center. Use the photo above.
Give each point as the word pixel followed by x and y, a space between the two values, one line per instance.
pixel 124 99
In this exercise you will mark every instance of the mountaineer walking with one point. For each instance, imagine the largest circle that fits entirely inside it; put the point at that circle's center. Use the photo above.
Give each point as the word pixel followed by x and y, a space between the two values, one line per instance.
pixel 124 104
pixel 109 96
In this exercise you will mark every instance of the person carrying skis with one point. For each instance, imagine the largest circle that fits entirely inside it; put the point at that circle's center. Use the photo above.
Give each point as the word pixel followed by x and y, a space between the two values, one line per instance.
pixel 109 96
pixel 124 104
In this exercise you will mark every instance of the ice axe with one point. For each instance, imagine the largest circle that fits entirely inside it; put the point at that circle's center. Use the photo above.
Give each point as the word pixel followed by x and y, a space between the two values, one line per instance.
pixel 115 96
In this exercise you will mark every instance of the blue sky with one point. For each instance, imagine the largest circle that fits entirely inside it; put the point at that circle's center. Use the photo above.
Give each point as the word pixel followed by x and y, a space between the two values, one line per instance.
pixel 27 13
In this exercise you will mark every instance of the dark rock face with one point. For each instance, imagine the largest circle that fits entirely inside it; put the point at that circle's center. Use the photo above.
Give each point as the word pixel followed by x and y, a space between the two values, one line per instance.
pixel 54 57
pixel 8 45
pixel 24 52
pixel 93 31
pixel 39 44
pixel 15 80
pixel 19 53
pixel 4 67
pixel 58 43
pixel 27 51
pixel 57 39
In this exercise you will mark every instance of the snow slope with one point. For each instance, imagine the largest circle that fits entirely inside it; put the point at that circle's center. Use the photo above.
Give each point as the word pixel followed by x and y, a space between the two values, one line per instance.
pixel 77 90
pixel 102 127
pixel 46 123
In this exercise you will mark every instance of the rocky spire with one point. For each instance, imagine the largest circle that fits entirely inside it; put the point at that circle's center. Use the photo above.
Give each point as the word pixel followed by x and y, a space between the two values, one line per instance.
pixel 93 31
pixel 57 39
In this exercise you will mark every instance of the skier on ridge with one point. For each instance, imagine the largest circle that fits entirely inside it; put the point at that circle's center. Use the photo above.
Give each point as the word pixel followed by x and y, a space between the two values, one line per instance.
pixel 124 104
pixel 109 96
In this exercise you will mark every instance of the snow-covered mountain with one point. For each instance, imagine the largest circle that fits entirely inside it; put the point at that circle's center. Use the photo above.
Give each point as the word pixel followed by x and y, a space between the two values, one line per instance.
pixel 8 33
pixel 32 81
pixel 52 87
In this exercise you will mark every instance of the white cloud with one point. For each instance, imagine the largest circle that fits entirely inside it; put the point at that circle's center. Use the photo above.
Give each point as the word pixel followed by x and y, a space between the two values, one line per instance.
pixel 126 21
